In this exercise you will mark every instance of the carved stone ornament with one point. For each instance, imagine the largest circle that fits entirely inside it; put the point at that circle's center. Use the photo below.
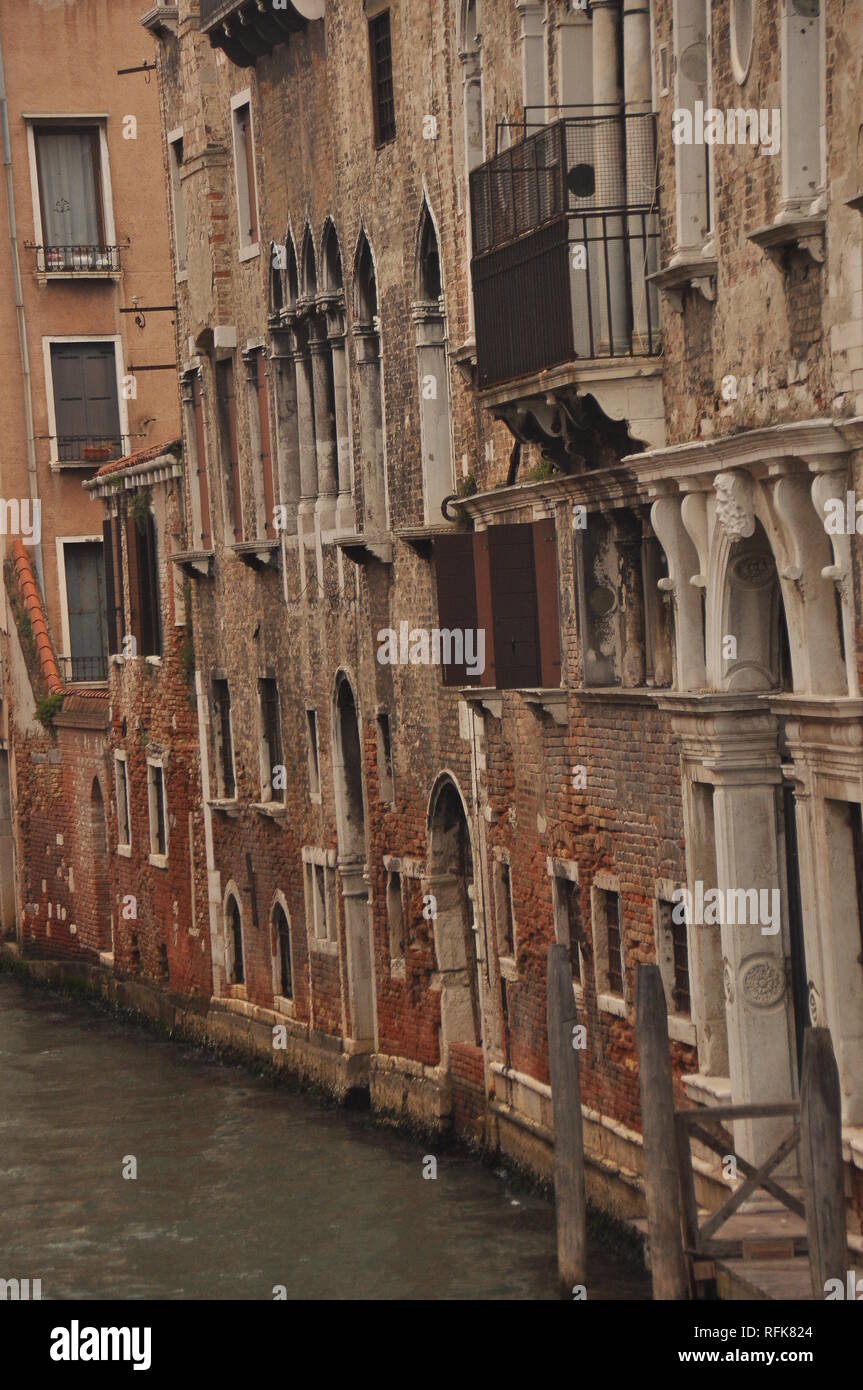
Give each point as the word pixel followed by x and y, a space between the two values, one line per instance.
pixel 728 982
pixel 734 510
pixel 763 984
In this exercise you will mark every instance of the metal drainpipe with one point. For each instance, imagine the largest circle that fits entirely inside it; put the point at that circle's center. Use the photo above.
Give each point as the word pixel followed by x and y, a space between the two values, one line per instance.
pixel 22 323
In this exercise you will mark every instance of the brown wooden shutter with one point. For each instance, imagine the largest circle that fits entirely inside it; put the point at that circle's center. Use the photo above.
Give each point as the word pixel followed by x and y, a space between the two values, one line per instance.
pixel 514 609
pixel 484 622
pixel 266 445
pixel 149 607
pixel 134 588
pixel 113 583
pixel 228 421
pixel 205 539
pixel 548 612
pixel 456 595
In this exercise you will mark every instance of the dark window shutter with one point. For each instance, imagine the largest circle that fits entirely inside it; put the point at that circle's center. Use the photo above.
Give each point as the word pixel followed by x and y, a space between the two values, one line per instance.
pixel 513 591
pixel 148 589
pixel 545 570
pixel 113 585
pixel 134 588
pixel 231 456
pixel 266 446
pixel 249 149
pixel 100 392
pixel 456 595
pixel 205 538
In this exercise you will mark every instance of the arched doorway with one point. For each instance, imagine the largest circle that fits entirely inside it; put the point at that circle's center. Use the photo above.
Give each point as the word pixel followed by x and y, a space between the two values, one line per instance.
pixel 351 829
pixel 235 972
pixel 103 921
pixel 451 882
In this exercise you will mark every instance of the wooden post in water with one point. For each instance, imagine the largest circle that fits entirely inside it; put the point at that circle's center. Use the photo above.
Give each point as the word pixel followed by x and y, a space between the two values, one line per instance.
pixel 569 1199
pixel 821 1161
pixel 661 1178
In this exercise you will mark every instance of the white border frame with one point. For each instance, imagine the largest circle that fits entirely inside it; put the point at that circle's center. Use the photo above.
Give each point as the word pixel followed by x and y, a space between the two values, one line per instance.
pixel 159 861
pixel 91 122
pixel 122 404
pixel 123 848
pixel 248 250
pixel 60 543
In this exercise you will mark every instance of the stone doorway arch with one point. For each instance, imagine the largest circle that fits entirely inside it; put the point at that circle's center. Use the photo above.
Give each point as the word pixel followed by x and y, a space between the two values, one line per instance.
pixel 450 870
pixel 351 831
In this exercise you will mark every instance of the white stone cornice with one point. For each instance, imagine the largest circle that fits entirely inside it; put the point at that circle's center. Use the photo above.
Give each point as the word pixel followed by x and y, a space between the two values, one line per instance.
pixel 821 444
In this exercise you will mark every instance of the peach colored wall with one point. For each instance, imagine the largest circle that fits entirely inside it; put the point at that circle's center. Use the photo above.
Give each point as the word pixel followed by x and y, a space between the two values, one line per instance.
pixel 61 57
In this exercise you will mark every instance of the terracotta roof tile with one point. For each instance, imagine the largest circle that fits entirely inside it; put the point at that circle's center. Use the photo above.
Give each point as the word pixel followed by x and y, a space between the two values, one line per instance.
pixel 32 600
pixel 135 460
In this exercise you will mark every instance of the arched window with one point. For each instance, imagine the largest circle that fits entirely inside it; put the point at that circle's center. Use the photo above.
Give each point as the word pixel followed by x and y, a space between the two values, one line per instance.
pixel 308 269
pixel 368 358
pixel 433 370
pixel 234 934
pixel 282 952
pixel 332 300
pixel 278 265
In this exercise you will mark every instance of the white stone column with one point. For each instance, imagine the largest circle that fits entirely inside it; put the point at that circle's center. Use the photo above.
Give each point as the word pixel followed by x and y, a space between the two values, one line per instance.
pixel 609 295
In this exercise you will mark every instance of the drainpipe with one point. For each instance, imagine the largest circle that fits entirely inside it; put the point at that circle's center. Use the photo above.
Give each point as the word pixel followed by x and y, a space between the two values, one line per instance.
pixel 22 323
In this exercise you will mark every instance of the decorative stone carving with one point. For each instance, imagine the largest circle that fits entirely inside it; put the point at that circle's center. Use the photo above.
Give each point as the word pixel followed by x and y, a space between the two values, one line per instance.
pixel 734 509
pixel 753 571
pixel 728 981
pixel 763 984
pixel 814 1005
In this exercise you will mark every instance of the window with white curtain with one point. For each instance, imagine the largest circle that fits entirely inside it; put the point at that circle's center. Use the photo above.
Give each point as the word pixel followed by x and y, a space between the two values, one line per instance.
pixel 68 164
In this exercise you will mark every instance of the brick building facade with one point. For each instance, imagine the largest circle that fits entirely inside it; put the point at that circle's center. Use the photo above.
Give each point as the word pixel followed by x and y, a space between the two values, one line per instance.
pixel 471 347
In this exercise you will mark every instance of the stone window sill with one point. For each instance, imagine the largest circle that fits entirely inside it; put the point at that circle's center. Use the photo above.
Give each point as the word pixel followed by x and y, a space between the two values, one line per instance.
pixel 197 564
pixel 781 239
pixel 611 1004
pixel 681 1029
pixel 226 807
pixel 508 968
pixel 551 701
pixel 125 851
pixel 707 1090
pixel 257 555
pixel 159 861
pixel 324 946
pixel 283 1006
pixel 276 810
pixel 397 968
pixel 153 660
pixel 248 253
pixel 690 268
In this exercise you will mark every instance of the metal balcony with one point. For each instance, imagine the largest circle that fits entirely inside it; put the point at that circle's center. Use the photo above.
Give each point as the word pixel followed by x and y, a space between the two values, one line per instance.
pixel 85 261
pixel 565 233
pixel 247 30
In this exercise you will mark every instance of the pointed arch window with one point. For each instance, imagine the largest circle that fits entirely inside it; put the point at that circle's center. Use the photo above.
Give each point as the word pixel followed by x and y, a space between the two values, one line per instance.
pixel 433 371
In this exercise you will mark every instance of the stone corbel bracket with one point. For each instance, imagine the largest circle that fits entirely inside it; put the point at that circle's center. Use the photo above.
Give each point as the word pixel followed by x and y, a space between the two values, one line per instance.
pixel 780 241
pixel 686 271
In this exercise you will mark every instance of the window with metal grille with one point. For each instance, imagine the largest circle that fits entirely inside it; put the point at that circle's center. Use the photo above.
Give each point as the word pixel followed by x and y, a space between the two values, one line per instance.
pixel 158 822
pixel 69 173
pixel 314 765
pixel 283 948
pixel 673 957
pixel 271 740
pixel 608 941
pixel 383 104
pixel 224 742
pixel 86 402
pixel 680 992
pixel 244 164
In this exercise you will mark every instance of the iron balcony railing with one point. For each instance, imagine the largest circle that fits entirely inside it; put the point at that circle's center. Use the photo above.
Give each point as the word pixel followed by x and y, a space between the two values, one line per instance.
pixel 81 259
pixel 565 232
pixel 78 670
pixel 89 448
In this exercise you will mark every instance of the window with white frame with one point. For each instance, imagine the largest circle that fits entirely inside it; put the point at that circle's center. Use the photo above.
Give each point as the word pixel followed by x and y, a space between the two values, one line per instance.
pixel 568 926
pixel 319 881
pixel 608 947
pixel 693 162
pixel 158 811
pixel 245 178
pixel 87 417
pixel 672 957
pixel 83 608
pixel 803 95
pixel 314 762
pixel 178 207
pixel 121 780
pixel 503 906
pixel 396 914
pixel 71 189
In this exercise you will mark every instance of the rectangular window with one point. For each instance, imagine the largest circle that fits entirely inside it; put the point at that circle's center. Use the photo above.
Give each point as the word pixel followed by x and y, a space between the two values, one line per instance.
pixel 203 535
pixel 227 411
pixel 175 156
pixel 608 942
pixel 385 758
pixel 86 610
pixel 69 174
pixel 121 778
pixel 144 598
pixel 569 931
pixel 224 743
pixel 271 742
pixel 112 555
pixel 244 167
pixel 158 819
pixel 383 105
pixel 503 909
pixel 395 915
pixel 262 408
pixel 86 402
pixel 314 764
pixel 319 880
pixel 673 957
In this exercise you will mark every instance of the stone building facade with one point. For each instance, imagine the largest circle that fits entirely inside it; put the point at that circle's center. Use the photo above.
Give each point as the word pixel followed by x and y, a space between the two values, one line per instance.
pixel 502 552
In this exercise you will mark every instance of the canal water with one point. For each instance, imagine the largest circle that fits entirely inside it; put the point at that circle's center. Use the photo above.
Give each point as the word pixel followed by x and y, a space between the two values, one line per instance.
pixel 241 1185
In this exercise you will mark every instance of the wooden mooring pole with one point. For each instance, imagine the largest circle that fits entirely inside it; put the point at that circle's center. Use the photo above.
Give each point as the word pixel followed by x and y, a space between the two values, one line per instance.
pixel 661 1177
pixel 569 1199
pixel 821 1163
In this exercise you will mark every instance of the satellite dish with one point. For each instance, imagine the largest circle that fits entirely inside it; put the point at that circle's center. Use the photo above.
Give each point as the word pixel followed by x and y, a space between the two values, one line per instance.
pixel 581 180
pixel 810 9
pixel 693 62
